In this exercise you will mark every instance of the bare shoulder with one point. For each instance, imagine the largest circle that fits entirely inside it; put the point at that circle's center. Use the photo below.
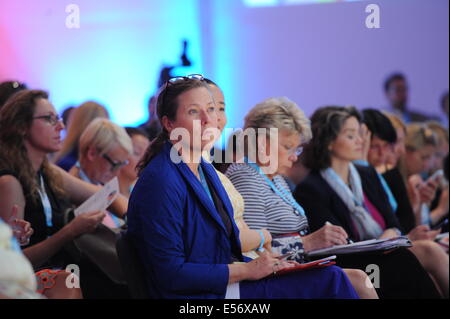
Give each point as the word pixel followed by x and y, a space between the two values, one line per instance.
pixel 11 193
pixel 9 183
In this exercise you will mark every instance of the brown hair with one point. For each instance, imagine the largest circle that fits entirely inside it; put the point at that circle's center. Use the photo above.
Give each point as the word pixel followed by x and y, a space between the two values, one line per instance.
pixel 326 123
pixel 16 118
pixel 167 105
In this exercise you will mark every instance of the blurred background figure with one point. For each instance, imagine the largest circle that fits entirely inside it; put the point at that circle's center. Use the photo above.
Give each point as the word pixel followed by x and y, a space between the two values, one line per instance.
pixel 151 127
pixel 8 88
pixel 396 91
pixel 79 120
pixel 128 174
pixel 444 108
pixel 66 116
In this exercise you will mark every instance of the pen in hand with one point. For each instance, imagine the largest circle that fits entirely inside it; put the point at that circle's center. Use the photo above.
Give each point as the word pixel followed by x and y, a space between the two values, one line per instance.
pixel 349 241
pixel 288 254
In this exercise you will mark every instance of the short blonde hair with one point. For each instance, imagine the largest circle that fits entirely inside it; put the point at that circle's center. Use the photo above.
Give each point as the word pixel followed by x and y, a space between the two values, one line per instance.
pixel 440 131
pixel 104 135
pixel 280 113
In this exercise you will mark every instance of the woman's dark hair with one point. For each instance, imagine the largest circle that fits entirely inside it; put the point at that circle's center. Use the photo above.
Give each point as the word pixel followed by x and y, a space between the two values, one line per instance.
pixel 167 106
pixel 379 125
pixel 16 118
pixel 132 131
pixel 326 124
pixel 8 89
pixel 391 78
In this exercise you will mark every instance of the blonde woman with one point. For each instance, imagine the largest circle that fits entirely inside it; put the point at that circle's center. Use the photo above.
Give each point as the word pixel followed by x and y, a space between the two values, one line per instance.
pixel 263 200
pixel 79 120
pixel 105 148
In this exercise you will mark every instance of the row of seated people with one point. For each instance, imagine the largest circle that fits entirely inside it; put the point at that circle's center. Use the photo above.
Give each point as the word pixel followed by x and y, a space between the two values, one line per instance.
pixel 190 223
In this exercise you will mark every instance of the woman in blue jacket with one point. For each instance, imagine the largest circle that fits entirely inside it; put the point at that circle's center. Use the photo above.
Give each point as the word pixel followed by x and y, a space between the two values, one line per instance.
pixel 181 219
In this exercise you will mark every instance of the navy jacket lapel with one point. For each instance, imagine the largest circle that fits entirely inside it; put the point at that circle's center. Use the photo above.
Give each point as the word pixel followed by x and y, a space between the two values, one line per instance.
pixel 197 187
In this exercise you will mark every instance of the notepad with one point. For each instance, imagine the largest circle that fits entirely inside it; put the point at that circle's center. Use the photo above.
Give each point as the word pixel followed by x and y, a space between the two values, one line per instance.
pixel 320 263
pixel 363 246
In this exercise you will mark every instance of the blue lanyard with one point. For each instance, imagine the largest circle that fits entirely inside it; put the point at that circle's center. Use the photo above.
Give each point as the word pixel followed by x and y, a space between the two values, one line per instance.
pixel 46 203
pixel 287 197
pixel 204 183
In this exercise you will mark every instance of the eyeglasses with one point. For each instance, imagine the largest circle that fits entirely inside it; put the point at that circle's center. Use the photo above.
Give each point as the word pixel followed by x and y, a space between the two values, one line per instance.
pixel 297 151
pixel 114 165
pixel 187 77
pixel 51 119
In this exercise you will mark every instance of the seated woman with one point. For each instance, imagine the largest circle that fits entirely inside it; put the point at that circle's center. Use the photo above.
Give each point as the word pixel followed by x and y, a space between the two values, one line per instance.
pixel 128 173
pixel 335 192
pixel 181 220
pixel 381 144
pixel 252 239
pixel 104 149
pixel 82 116
pixel 29 131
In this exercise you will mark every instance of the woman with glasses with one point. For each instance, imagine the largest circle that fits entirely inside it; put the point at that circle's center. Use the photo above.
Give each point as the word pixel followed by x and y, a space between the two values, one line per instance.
pixel 351 196
pixel 105 148
pixel 255 241
pixel 30 130
pixel 181 219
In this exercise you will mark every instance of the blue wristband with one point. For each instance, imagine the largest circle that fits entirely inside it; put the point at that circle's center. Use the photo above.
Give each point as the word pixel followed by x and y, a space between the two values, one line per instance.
pixel 261 244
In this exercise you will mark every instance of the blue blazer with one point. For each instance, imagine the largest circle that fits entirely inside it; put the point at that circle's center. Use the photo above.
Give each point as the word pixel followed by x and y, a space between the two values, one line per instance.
pixel 179 235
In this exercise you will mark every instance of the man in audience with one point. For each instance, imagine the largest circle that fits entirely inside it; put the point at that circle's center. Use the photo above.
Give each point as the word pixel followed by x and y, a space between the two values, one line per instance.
pixel 396 90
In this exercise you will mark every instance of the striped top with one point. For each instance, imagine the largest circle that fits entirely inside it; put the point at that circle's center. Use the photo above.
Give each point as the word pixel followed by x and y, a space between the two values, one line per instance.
pixel 263 207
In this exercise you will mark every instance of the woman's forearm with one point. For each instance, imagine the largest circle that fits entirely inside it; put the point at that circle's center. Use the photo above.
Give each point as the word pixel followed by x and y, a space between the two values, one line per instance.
pixel 43 251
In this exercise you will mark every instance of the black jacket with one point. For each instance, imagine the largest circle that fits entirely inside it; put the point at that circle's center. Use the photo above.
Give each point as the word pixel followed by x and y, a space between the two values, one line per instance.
pixel 404 213
pixel 322 203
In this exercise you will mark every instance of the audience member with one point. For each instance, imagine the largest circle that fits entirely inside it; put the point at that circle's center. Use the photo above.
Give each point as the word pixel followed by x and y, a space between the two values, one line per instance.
pixel 272 206
pixel 30 130
pixel 128 173
pixel 352 197
pixel 181 220
pixel 80 119
pixel 396 91
pixel 104 149
pixel 152 127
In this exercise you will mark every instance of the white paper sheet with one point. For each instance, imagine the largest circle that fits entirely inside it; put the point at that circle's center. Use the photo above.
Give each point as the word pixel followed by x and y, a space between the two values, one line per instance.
pixel 100 200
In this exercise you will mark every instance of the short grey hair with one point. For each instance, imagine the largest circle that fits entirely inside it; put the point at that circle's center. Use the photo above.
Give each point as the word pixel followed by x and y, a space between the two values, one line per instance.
pixel 280 113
